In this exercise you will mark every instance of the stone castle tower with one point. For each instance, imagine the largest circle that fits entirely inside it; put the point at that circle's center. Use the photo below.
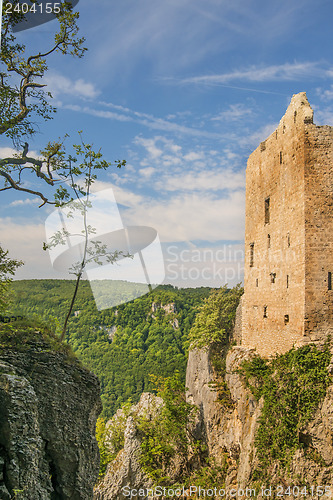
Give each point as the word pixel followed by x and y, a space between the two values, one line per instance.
pixel 288 281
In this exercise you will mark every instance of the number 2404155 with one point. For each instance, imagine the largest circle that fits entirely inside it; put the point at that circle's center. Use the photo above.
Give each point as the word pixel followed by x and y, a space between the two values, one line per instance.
pixel 24 8
pixel 302 491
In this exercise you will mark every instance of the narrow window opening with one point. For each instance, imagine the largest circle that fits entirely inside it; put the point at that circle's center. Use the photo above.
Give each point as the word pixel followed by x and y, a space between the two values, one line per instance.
pixel 273 276
pixel 286 319
pixel 268 241
pixel 265 312
pixel 287 280
pixel 295 116
pixel 288 239
pixel 257 282
pixel 251 254
pixel 267 210
pixel 329 281
pixel 280 157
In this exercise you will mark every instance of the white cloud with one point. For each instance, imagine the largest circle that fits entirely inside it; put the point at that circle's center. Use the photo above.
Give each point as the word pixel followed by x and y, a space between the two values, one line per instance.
pixel 193 156
pixel 195 214
pixel 191 168
pixel 100 113
pixel 326 94
pixel 235 112
pixel 259 135
pixel 123 196
pixel 193 265
pixel 60 85
pixel 27 201
pixel 147 172
pixel 282 72
pixel 324 116
pixel 7 152
pixel 205 180
pixel 145 119
pixel 192 217
pixel 24 242
pixel 150 146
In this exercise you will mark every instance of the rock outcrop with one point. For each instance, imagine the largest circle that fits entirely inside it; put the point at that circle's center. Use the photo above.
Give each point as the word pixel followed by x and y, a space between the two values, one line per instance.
pixel 227 430
pixel 227 423
pixel 48 410
pixel 230 432
pixel 125 473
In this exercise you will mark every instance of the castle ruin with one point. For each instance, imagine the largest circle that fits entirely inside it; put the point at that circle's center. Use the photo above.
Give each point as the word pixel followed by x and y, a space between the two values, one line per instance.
pixel 288 280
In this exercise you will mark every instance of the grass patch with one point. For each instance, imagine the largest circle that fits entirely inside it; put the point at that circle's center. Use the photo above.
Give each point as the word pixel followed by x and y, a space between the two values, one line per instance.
pixel 22 335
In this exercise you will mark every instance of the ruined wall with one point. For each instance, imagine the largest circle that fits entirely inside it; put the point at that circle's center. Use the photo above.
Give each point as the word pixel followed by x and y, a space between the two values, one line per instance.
pixel 319 231
pixel 288 234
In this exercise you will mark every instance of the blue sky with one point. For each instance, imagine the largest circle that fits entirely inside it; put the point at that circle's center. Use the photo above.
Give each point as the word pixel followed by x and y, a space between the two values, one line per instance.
pixel 184 91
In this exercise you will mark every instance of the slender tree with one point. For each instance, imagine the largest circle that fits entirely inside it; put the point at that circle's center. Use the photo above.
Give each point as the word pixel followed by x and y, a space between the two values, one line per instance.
pixel 23 98
pixel 93 250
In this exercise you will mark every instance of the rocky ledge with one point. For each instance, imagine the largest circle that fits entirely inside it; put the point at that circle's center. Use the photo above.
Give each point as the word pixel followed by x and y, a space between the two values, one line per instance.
pixel 48 410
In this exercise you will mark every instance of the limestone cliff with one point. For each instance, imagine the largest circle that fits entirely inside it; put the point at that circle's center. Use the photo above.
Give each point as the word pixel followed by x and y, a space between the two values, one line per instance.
pixel 48 410
pixel 125 473
pixel 230 432
pixel 228 423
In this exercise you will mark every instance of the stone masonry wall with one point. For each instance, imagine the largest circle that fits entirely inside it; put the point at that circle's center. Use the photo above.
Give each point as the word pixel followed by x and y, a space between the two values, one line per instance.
pixel 288 234
pixel 319 231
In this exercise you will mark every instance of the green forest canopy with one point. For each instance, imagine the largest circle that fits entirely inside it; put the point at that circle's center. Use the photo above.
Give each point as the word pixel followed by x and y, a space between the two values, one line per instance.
pixel 122 345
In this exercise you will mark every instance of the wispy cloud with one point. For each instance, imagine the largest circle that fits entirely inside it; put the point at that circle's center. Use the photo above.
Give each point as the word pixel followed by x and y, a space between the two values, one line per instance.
pixel 193 216
pixel 326 94
pixel 145 31
pixel 205 180
pixel 17 203
pixel 282 72
pixel 324 116
pixel 170 168
pixel 193 194
pixel 235 112
pixel 102 110
pixel 253 140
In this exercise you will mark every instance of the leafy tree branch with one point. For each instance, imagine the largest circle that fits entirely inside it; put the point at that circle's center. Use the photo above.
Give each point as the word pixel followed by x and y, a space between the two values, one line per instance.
pixel 22 96
pixel 8 267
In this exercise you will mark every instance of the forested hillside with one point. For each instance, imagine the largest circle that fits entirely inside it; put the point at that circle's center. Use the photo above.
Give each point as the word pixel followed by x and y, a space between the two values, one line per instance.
pixel 123 346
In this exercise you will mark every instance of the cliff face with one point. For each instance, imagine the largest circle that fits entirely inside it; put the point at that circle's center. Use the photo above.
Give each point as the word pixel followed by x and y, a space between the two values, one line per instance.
pixel 48 410
pixel 228 422
pixel 125 473
pixel 230 432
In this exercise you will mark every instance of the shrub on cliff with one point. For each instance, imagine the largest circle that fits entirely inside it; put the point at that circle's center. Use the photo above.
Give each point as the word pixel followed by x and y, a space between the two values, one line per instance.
pixel 292 386
pixel 216 317
pixel 7 269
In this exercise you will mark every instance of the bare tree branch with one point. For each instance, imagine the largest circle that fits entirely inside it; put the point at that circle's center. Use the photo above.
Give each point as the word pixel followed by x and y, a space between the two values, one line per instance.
pixel 14 185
